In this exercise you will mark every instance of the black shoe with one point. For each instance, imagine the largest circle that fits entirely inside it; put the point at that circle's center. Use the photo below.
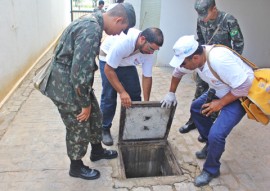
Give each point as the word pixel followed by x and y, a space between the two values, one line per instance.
pixel 83 172
pixel 106 154
pixel 201 139
pixel 202 154
pixel 106 137
pixel 187 127
pixel 204 178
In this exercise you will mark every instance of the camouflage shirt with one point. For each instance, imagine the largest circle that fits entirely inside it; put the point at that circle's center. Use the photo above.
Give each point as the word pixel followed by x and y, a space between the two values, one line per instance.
pixel 229 33
pixel 97 9
pixel 74 65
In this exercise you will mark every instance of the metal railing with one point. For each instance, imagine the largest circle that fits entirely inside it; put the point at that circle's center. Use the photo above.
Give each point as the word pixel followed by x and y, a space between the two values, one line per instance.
pixel 75 14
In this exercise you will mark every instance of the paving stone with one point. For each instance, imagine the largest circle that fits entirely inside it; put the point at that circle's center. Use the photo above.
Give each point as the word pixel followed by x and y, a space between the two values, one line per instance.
pixel 141 189
pixel 220 188
pixel 121 189
pixel 188 158
pixel 224 168
pixel 185 187
pixel 230 181
pixel 246 181
pixel 162 188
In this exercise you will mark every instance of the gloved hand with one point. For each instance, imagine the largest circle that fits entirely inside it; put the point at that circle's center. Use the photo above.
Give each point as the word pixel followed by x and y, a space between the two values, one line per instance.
pixel 169 100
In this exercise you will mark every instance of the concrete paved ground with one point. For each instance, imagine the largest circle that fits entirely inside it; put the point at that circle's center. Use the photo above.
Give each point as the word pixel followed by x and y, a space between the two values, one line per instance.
pixel 33 153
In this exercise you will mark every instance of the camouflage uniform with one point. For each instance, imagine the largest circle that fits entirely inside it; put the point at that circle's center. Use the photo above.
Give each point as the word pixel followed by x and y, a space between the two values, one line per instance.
pixel 229 34
pixel 72 71
pixel 97 9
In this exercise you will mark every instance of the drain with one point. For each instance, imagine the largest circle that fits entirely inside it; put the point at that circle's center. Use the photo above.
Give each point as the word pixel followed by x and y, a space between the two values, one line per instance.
pixel 144 149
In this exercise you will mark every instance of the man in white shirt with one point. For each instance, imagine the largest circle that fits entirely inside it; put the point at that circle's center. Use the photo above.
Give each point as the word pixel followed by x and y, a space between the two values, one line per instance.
pixel 236 79
pixel 119 56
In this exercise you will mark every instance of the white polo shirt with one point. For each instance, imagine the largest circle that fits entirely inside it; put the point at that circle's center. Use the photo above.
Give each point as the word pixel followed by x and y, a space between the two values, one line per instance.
pixel 120 52
pixel 230 68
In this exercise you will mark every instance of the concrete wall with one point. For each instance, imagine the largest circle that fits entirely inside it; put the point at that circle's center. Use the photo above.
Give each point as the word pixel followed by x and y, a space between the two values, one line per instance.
pixel 178 18
pixel 150 14
pixel 27 28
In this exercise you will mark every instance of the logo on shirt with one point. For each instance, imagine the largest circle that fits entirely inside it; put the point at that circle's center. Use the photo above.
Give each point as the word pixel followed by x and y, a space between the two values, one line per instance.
pixel 215 82
pixel 136 62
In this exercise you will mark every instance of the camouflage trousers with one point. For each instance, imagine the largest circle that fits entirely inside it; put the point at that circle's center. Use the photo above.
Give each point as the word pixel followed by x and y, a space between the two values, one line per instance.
pixel 201 86
pixel 80 134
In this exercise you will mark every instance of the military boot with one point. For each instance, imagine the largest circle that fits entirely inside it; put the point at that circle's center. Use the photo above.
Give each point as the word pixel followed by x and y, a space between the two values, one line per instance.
pixel 106 137
pixel 187 127
pixel 79 170
pixel 202 154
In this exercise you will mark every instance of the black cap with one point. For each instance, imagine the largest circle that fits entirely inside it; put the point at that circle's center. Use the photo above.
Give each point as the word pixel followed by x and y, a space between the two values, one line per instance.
pixel 130 15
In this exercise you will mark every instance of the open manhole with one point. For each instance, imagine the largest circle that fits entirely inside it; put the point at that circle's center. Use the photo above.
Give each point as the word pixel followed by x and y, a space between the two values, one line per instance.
pixel 144 149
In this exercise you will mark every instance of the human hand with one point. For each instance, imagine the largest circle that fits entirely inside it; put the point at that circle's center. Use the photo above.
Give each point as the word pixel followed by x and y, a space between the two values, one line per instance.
pixel 125 99
pixel 85 114
pixel 212 107
pixel 169 100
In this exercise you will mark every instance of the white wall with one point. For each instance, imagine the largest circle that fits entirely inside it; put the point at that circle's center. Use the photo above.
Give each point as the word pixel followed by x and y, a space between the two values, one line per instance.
pixel 26 29
pixel 178 18
pixel 253 19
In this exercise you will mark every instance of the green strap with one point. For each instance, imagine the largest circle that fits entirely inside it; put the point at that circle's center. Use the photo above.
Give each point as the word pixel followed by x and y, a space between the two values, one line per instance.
pixel 217 29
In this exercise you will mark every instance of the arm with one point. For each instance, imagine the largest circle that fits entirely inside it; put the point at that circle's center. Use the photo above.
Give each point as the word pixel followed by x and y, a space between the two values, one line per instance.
pixel 147 86
pixel 83 69
pixel 236 35
pixel 174 83
pixel 199 34
pixel 234 94
pixel 116 84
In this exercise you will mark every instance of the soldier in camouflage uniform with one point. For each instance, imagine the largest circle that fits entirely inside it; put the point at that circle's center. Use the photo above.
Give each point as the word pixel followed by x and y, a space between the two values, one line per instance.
pixel 227 32
pixel 100 7
pixel 70 79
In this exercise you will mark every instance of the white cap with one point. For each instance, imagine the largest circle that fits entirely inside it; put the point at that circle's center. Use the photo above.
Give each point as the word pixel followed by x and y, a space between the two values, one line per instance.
pixel 184 47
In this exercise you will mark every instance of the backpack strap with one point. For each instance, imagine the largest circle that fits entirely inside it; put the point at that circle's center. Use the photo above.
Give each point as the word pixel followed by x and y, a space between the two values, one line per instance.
pixel 215 32
pixel 248 62
pixel 245 60
pixel 210 67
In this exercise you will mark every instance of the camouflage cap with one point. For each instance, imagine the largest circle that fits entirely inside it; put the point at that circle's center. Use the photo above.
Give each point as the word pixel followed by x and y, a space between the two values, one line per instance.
pixel 202 6
pixel 130 14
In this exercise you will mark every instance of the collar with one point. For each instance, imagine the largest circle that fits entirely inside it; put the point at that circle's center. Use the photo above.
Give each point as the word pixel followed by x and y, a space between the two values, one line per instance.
pixel 98 16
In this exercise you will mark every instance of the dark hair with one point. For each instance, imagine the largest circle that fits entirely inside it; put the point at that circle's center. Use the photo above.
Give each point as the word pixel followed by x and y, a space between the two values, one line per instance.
pixel 198 51
pixel 101 3
pixel 213 3
pixel 153 35
pixel 124 10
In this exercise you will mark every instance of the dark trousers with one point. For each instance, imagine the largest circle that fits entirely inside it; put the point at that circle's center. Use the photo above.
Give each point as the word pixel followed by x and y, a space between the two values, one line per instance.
pixel 129 78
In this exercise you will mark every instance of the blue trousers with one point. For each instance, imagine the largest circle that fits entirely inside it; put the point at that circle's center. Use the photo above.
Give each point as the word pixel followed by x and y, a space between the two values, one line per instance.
pixel 217 132
pixel 129 78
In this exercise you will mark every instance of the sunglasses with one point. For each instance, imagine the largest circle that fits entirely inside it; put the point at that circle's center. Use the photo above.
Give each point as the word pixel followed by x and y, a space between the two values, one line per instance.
pixel 151 49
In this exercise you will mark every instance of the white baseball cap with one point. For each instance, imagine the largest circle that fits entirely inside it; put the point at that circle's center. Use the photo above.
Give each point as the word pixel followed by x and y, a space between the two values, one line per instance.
pixel 184 47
